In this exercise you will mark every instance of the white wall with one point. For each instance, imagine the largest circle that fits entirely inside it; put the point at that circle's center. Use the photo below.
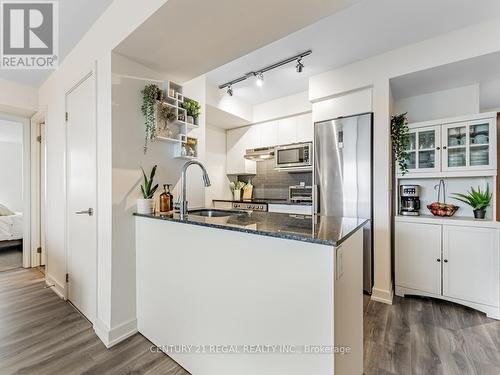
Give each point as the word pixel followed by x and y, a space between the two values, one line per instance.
pixel 376 72
pixel 92 52
pixel 216 165
pixel 11 167
pixel 282 107
pixel 440 104
pixel 17 99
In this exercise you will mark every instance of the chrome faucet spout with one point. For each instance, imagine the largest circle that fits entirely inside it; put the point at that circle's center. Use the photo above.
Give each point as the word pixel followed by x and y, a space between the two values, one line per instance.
pixel 206 180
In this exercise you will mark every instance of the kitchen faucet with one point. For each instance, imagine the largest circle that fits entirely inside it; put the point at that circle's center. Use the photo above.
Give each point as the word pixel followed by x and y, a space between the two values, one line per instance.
pixel 183 206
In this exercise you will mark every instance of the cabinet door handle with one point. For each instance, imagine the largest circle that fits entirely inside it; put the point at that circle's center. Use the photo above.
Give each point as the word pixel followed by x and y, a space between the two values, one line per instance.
pixel 438 148
pixel 438 260
pixel 444 147
pixel 446 260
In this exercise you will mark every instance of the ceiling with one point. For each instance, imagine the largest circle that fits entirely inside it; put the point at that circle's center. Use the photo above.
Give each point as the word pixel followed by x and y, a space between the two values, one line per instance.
pixel 365 29
pixel 187 38
pixel 483 70
pixel 11 131
pixel 75 19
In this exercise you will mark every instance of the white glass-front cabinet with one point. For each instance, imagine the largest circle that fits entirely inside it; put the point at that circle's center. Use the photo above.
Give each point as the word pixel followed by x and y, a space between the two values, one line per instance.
pixel 424 149
pixel 461 146
pixel 468 146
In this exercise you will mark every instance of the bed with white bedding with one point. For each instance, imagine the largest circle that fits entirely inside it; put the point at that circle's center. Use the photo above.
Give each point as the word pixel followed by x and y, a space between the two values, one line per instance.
pixel 11 227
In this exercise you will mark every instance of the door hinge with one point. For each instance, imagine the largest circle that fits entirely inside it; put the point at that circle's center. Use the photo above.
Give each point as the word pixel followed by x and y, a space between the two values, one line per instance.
pixel 67 277
pixel 39 250
pixel 39 139
pixel 67 116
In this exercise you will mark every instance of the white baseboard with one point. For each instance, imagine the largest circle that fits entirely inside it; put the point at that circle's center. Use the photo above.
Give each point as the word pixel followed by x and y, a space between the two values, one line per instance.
pixel 381 295
pixel 56 287
pixel 115 335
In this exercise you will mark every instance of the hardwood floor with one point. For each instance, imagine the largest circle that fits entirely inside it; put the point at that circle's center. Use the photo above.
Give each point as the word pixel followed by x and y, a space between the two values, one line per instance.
pixel 41 334
pixel 427 336
pixel 11 258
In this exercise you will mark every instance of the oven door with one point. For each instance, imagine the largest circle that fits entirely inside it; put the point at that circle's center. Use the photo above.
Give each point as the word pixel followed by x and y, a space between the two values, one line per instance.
pixel 293 156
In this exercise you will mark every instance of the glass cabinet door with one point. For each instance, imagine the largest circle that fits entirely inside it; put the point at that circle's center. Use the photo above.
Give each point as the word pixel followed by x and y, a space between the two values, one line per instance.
pixel 479 144
pixel 411 161
pixel 427 149
pixel 456 145
pixel 468 146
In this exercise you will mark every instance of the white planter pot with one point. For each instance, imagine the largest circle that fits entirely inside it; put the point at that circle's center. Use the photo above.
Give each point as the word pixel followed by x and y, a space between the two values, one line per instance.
pixel 145 206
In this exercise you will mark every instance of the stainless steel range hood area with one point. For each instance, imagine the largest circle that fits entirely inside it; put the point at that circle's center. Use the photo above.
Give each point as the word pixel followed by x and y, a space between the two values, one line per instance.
pixel 260 154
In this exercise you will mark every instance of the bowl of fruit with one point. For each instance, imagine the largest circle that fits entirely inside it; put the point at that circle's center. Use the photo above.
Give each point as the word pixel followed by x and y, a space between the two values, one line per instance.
pixel 442 209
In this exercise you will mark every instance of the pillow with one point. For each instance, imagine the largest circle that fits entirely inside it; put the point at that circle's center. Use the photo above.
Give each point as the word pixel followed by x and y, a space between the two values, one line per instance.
pixel 4 211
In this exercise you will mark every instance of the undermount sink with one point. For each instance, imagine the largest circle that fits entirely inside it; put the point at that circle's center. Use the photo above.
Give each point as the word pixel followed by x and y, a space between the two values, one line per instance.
pixel 208 212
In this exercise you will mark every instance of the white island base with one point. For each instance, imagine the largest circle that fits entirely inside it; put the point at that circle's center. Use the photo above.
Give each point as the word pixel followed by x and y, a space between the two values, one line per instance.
pixel 215 290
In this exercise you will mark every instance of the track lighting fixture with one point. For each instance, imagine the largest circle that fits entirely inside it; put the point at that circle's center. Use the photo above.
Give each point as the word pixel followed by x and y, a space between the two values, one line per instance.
pixel 260 79
pixel 259 74
pixel 300 66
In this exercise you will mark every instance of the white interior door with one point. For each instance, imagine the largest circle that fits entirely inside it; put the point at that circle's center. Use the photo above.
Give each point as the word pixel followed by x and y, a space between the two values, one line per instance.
pixel 81 195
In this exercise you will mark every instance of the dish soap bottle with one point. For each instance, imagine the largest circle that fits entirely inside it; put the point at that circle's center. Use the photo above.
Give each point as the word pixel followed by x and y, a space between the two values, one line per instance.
pixel 166 199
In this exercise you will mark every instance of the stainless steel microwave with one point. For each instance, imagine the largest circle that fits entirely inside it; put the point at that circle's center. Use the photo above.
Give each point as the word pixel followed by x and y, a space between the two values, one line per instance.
pixel 295 156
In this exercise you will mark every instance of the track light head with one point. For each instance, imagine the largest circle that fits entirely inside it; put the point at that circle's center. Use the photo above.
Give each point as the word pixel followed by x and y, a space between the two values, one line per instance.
pixel 230 90
pixel 299 66
pixel 260 79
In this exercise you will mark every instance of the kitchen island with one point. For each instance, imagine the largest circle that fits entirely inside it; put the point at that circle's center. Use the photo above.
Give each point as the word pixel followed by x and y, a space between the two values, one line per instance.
pixel 252 293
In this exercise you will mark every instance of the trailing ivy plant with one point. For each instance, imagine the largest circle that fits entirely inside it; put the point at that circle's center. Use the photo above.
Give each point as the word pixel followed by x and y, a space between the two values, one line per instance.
pixel 150 94
pixel 400 140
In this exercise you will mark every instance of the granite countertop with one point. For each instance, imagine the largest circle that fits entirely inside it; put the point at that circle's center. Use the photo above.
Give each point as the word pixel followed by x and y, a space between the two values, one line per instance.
pixel 325 230
pixel 266 201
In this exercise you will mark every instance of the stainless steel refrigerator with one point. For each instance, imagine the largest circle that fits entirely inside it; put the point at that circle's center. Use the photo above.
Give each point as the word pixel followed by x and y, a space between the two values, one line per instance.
pixel 343 175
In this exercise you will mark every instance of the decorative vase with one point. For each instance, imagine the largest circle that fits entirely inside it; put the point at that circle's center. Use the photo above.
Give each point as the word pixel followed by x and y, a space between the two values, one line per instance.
pixel 145 206
pixel 190 119
pixel 237 195
pixel 479 214
pixel 196 121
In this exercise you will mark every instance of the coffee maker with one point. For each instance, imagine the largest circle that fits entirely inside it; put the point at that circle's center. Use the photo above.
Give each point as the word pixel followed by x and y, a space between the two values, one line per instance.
pixel 409 201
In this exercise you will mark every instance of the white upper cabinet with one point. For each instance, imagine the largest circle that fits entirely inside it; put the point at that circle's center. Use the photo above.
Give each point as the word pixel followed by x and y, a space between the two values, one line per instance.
pixel 458 146
pixel 268 133
pixel 287 130
pixel 424 147
pixel 469 145
pixel 237 142
pixel 305 128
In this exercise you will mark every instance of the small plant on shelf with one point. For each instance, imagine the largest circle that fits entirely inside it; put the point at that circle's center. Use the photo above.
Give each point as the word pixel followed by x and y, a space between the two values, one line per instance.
pixel 150 94
pixel 192 108
pixel 400 140
pixel 146 204
pixel 478 199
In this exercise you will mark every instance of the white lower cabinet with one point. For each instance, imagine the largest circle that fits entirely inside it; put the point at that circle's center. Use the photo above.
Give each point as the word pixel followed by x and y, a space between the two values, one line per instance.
pixel 457 263
pixel 418 257
pixel 471 264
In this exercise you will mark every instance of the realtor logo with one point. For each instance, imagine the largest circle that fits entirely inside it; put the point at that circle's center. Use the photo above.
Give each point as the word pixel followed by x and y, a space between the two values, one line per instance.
pixel 29 34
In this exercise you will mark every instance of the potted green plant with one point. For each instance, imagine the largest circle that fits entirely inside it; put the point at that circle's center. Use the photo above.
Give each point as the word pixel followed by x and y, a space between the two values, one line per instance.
pixel 478 199
pixel 193 110
pixel 400 139
pixel 150 95
pixel 146 204
pixel 236 189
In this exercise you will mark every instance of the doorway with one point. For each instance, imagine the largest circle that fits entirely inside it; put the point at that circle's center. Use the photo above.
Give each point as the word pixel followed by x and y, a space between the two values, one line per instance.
pixel 81 187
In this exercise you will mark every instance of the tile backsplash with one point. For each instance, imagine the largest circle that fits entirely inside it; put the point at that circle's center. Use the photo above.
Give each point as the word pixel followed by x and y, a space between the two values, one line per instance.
pixel 272 184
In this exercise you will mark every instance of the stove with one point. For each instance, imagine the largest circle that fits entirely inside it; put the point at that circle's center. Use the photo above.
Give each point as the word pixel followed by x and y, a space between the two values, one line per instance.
pixel 250 206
